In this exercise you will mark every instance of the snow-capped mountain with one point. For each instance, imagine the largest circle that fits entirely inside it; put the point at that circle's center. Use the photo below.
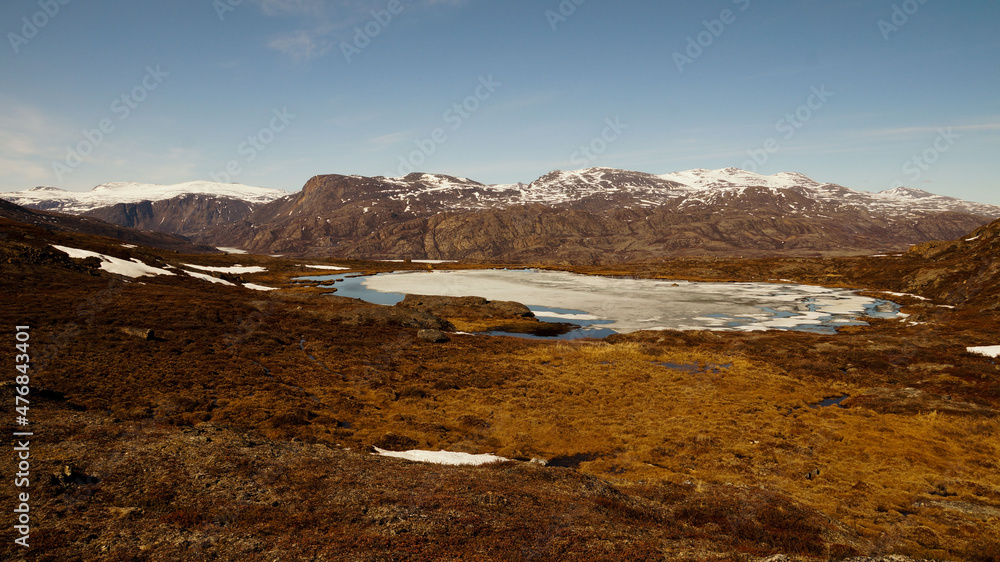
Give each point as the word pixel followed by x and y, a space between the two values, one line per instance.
pixel 592 187
pixel 595 214
pixel 110 194
pixel 713 185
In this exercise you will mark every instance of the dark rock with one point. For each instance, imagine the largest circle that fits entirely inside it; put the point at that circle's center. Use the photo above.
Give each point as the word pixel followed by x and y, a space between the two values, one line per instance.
pixel 68 475
pixel 393 442
pixel 143 333
pixel 433 336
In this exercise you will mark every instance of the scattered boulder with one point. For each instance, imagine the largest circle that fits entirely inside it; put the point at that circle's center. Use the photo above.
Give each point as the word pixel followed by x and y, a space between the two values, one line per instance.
pixel 465 307
pixel 433 336
pixel 67 475
pixel 143 333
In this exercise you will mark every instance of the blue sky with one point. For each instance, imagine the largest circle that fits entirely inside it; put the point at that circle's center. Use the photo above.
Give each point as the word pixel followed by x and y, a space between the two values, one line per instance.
pixel 865 93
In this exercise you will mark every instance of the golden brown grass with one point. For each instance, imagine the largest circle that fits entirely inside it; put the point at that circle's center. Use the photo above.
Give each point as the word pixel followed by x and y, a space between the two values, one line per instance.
pixel 280 364
pixel 747 424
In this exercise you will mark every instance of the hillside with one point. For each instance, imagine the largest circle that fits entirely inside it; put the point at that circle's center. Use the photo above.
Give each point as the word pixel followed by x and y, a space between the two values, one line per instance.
pixel 85 225
pixel 597 215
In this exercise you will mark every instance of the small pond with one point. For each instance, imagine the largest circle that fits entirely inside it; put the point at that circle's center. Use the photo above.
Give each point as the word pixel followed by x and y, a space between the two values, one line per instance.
pixel 601 306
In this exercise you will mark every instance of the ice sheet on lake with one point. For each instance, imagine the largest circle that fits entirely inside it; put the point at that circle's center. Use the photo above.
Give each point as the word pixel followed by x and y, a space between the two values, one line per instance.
pixel 645 304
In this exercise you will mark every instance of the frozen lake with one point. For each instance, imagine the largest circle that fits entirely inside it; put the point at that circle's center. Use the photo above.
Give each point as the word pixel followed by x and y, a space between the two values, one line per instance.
pixel 604 304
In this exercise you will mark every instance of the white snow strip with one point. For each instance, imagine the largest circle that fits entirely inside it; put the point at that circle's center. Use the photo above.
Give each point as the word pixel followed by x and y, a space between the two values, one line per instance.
pixel 918 297
pixel 561 316
pixel 257 287
pixel 420 261
pixel 233 269
pixel 326 267
pixel 209 278
pixel 133 268
pixel 442 457
pixel 232 250
pixel 989 351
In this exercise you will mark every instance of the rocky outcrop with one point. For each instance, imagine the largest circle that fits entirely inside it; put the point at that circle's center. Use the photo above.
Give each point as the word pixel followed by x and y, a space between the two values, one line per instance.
pixel 465 307
pixel 391 316
pixel 963 271
pixel 433 336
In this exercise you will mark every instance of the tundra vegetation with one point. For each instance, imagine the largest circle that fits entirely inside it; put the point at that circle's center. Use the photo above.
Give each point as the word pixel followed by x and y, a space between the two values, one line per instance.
pixel 245 426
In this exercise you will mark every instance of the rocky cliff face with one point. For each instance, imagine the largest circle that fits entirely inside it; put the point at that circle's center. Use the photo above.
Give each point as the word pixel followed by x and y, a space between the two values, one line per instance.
pixel 186 215
pixel 59 222
pixel 539 233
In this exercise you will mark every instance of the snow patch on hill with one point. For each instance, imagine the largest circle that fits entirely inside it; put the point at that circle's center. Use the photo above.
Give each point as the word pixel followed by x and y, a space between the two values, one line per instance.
pixel 236 269
pixel 735 177
pixel 442 457
pixel 133 268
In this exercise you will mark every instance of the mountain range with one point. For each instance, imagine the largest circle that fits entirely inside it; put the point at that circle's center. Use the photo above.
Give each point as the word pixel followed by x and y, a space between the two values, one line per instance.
pixel 596 215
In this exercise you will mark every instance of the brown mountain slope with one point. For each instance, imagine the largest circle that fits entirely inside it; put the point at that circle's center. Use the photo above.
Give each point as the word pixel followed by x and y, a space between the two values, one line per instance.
pixel 963 271
pixel 350 216
pixel 538 233
pixel 60 222
pixel 186 215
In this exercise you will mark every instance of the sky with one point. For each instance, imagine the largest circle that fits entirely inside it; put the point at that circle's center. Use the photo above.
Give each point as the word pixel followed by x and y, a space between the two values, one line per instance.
pixel 869 94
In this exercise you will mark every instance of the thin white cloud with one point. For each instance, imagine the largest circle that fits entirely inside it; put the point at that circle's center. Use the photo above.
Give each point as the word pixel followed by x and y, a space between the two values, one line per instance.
pixel 992 125
pixel 327 23
pixel 294 7
pixel 30 140
pixel 301 44
pixel 385 141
